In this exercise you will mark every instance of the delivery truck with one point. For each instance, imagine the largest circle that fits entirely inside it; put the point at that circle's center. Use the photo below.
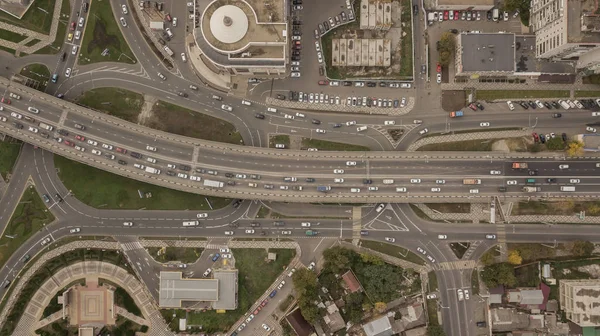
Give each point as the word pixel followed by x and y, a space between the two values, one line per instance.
pixel 456 114
pixel 567 188
pixel 214 184
pixel 471 181
pixel 152 170
pixel 531 189
pixel 520 165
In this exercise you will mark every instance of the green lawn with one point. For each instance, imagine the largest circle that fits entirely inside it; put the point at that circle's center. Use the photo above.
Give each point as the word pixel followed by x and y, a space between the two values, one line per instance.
pixel 185 255
pixel 406 53
pixel 587 94
pixel 475 281
pixel 180 120
pixel 38 18
pixel 37 72
pixel 32 42
pixel 101 189
pixel 11 36
pixel 521 94
pixel 433 283
pixel 9 152
pixel 279 139
pixel 102 32
pixel 254 278
pixel 393 250
pixel 29 217
pixel 61 31
pixel 333 146
pixel 467 145
pixel 120 103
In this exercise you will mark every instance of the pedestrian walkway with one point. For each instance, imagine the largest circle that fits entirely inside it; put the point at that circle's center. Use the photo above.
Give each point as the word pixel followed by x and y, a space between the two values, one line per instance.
pixel 466 136
pixel 458 265
pixel 356 224
pixel 123 312
pixel 130 246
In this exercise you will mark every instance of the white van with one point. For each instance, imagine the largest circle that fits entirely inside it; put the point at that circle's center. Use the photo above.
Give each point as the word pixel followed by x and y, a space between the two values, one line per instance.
pixel 272 109
pixel 190 223
pixel 168 50
pixel 361 128
pixel 388 181
pixel 355 190
pixel 564 104
pixel 495 14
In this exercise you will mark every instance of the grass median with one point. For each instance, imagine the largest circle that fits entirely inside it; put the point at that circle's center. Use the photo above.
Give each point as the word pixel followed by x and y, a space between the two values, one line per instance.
pixel 169 253
pixel 332 146
pixel 29 217
pixel 102 32
pixel 521 94
pixel 120 103
pixel 587 94
pixel 37 72
pixel 456 146
pixel 279 139
pixel 9 152
pixel 180 120
pixel 104 190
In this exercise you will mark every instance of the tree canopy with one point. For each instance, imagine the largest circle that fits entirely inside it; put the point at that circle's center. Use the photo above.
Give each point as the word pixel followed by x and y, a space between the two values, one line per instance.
pixel 498 274
pixel 446 48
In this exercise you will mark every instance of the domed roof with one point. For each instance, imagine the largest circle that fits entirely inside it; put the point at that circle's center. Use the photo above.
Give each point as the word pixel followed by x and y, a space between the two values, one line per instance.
pixel 229 24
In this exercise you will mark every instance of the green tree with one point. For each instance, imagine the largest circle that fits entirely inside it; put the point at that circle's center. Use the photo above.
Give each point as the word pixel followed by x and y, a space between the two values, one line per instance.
pixel 514 257
pixel 446 48
pixel 337 258
pixel 498 274
pixel 582 248
pixel 488 258
pixel 354 304
pixel 305 281
pixel 435 330
pixel 555 144
pixel 371 259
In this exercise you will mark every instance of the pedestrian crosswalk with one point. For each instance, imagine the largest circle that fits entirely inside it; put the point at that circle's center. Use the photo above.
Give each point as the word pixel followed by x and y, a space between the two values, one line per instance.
pixel 457 265
pixel 129 246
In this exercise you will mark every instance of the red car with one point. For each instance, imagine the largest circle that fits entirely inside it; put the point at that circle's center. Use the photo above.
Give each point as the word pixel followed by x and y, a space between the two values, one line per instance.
pixel 121 150
pixel 80 138
pixel 439 68
pixel 445 15
pixel 323 82
pixel 73 24
pixel 5 101
pixel 536 137
pixel 473 107
pixel 168 17
pixel 456 15
pixel 264 303
pixel 68 143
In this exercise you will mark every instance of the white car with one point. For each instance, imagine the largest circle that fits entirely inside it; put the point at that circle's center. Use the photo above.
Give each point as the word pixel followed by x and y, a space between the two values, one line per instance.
pixel 319 57
pixel 431 258
pixel 495 172
pixel 151 148
pixel 380 207
pixel 295 74
pixel 389 122
pixel 373 188
pixel 81 21
pixel 338 171
pixel 338 180
pixel 591 129
pixel 539 104
pixel 123 22
pixel 511 182
pixel 466 290
pixel 45 241
pixel 350 163
pixel 183 58
pixel 249 231
pixel 563 166
pixel 280 286
pixel 79 148
pixel 266 327
pixel 229 233
pixel 15 115
pixel 484 124
pixel 350 123
pixel 92 142
pixel 312 265
pixel 33 110
pixel 68 72
pixel 127 223
pixel 305 224
pixel 286 232
pixel 415 180
pixel 207 272
pixel 226 108
pixel 124 9
pixel 75 230
pixel 33 129
pixel 420 250
pixel 203 215
pixel 105 146
pixel 436 189
pixel 321 131
pixel 97 152
pixel 359 84
pixel 510 105
pixel 459 293
pixel 423 131
pixel 574 181
pixel 439 78
pixel 474 191
pixel 442 236
pixel 440 181
pixel 317 46
pixel 431 296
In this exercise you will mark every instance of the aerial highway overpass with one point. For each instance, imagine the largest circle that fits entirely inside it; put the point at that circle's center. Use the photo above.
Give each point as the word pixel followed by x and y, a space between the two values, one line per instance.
pixel 285 175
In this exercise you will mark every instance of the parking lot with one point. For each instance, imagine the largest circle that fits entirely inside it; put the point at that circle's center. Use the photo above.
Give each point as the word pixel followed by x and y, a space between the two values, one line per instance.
pixel 483 25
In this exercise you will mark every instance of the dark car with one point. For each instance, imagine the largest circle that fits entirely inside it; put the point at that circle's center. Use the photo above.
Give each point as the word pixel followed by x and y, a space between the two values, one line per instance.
pixel 58 197
pixel 454 31
pixel 279 223
pixel 136 155
pixel 556 115
pixel 236 203
pixel 532 172
pixel 229 175
pixel 337 125
pixel 295 58
pixel 524 105
pixel 542 138
pixel 255 224
pixel 310 179
pixel 371 84
pixel 170 173
pixel 259 116
pixel 86 6
pixel 555 104
pixel 480 106
pixel 295 53
pixel 364 232
pixel 347 83
pixel 185 168
pixel 564 137
pixel 551 180
pixel 64 56
pixel 489 15
pixel 121 162
pixel 63 132
pixel 532 104
pixel 182 94
pixel 316 121
pixel 280 97
pixel 382 84
pixel 548 106
pixel 297 33
pixel 17 125
pixel 367 181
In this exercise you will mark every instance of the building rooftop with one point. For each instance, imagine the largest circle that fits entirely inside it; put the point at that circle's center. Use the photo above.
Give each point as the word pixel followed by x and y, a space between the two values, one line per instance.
pixel 379 327
pixel 228 24
pixel 298 323
pixel 487 52
pixel 581 28
pixel 227 289
pixel 466 3
pixel 591 142
pixel 351 281
pixel 174 289
pixel 15 7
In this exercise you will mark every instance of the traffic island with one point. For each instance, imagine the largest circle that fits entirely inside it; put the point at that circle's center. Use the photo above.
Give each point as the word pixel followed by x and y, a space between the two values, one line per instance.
pixel 180 254
pixel 36 76
pixel 332 146
pixel 116 102
pixel 103 40
pixel 9 152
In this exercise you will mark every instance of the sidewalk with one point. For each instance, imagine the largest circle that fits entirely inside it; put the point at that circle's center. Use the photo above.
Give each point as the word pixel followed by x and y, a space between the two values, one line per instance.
pixel 221 81
pixel 464 137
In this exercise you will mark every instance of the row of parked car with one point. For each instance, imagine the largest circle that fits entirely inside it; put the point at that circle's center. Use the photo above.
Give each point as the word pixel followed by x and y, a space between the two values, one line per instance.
pixel 565 104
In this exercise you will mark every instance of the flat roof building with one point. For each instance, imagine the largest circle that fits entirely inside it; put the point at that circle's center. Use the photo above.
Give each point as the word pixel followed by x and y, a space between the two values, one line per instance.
pixel 464 4
pixel 220 292
pixel 490 53
pixel 579 301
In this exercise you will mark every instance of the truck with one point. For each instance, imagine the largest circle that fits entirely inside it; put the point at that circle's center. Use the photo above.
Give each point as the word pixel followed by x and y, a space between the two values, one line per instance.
pixel 212 183
pixel 323 188
pixel 495 14
pixel 456 114
pixel 311 232
pixel 531 189
pixel 46 126
pixel 152 170
pixel 471 181
pixel 520 165
pixel 430 17
pixel 567 188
